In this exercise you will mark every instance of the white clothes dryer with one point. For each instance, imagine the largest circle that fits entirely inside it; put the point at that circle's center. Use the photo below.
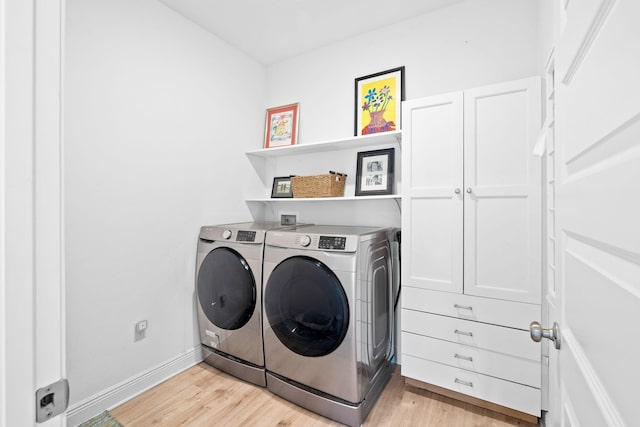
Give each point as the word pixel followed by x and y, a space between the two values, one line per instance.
pixel 328 318
pixel 229 297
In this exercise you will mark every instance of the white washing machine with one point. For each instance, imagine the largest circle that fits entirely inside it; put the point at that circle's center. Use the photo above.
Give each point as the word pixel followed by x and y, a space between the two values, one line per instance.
pixel 229 295
pixel 328 318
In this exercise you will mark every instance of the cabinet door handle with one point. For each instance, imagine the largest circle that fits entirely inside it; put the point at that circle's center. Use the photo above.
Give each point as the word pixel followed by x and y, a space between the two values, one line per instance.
pixel 463 307
pixel 469 190
pixel 457 191
pixel 459 332
pixel 467 358
pixel 462 382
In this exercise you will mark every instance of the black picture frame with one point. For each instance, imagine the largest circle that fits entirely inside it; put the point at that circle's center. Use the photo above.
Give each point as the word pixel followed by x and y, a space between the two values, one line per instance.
pixel 375 172
pixel 389 90
pixel 281 188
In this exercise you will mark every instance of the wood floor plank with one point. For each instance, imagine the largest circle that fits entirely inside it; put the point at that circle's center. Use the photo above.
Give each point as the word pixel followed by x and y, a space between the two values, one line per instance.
pixel 160 394
pixel 203 396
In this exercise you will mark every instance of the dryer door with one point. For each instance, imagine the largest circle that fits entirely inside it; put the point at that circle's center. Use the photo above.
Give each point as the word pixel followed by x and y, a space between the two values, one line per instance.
pixel 306 306
pixel 226 288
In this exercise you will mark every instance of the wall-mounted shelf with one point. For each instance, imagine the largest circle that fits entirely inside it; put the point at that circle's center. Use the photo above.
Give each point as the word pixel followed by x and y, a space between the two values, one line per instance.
pixel 326 199
pixel 314 158
pixel 380 139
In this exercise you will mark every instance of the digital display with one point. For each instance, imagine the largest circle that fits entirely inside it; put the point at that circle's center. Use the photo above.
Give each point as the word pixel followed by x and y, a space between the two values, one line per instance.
pixel 246 236
pixel 330 242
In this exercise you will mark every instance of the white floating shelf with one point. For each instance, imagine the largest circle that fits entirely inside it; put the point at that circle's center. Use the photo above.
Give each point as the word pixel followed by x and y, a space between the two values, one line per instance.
pixel 326 199
pixel 384 138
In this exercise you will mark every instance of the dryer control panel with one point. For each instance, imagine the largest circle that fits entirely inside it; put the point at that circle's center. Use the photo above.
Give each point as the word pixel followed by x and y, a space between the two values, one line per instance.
pixel 309 241
pixel 231 234
pixel 332 242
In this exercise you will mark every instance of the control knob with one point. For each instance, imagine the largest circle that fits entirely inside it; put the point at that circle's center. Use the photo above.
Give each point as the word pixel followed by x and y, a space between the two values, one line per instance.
pixel 305 240
pixel 226 234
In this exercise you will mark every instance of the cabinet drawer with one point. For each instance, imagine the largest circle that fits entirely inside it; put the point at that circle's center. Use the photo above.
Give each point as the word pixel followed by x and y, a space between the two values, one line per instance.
pixel 498 312
pixel 517 369
pixel 506 393
pixel 475 334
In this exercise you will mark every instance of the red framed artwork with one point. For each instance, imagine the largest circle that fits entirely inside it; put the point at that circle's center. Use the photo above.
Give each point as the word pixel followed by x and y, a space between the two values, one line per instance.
pixel 281 127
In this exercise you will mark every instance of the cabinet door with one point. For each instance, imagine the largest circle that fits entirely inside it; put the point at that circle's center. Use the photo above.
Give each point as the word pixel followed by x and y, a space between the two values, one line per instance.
pixel 502 219
pixel 432 199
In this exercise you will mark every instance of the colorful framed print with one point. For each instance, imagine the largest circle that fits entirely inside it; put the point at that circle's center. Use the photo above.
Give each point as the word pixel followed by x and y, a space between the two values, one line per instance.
pixel 281 127
pixel 378 101
pixel 374 176
pixel 281 188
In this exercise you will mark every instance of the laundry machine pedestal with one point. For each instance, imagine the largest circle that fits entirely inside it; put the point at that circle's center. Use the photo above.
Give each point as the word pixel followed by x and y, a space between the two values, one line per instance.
pixel 239 369
pixel 320 403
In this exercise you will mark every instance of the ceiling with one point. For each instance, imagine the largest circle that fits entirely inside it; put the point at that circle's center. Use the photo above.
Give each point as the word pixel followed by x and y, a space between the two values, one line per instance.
pixel 274 30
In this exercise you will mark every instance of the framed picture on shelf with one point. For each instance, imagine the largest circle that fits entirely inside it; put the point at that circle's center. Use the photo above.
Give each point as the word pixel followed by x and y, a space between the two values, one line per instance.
pixel 281 188
pixel 374 176
pixel 378 102
pixel 281 127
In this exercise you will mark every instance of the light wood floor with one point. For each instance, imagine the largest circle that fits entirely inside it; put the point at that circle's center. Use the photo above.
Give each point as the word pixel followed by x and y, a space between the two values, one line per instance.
pixel 204 396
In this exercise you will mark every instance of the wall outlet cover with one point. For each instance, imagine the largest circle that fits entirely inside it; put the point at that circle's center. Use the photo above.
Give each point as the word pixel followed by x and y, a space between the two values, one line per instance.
pixel 140 330
pixel 287 219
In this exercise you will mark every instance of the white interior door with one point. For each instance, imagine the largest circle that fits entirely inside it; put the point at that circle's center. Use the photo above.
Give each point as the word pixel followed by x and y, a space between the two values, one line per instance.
pixel 502 191
pixel 597 90
pixel 432 199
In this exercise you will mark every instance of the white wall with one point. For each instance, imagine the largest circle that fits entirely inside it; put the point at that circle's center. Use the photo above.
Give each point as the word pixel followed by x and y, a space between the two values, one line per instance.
pixel 547 27
pixel 469 44
pixel 158 114
pixel 472 43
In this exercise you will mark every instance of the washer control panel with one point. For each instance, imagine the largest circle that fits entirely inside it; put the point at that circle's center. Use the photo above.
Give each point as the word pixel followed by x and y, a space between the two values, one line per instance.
pixel 246 236
pixel 332 242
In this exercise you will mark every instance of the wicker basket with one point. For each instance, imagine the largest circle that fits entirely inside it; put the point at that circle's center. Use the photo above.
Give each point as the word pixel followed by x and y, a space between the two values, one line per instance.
pixel 327 185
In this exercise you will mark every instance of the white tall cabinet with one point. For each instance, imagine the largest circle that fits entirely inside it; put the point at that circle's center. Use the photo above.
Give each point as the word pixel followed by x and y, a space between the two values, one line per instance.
pixel 472 242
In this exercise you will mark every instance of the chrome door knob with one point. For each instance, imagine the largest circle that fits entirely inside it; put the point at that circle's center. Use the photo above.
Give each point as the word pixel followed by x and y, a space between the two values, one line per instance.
pixel 457 191
pixel 538 332
pixel 469 190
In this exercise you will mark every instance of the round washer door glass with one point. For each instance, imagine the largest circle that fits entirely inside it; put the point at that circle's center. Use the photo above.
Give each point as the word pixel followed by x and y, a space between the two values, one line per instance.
pixel 306 306
pixel 226 289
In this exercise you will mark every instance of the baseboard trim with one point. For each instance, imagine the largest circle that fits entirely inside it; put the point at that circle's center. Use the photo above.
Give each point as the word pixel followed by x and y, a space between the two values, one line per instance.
pixel 126 390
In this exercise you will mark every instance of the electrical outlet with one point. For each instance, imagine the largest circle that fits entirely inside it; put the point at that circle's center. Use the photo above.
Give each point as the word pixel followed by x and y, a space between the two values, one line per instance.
pixel 140 330
pixel 287 220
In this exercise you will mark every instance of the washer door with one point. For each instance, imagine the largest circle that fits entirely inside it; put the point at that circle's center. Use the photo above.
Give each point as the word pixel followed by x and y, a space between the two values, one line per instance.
pixel 226 289
pixel 306 306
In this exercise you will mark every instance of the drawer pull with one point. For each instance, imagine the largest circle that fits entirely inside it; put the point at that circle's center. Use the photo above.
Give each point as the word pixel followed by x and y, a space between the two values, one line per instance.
pixel 459 356
pixel 463 307
pixel 462 382
pixel 459 332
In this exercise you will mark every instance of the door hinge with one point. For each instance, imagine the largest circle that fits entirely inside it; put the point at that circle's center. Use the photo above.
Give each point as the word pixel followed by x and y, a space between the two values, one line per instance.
pixel 52 400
